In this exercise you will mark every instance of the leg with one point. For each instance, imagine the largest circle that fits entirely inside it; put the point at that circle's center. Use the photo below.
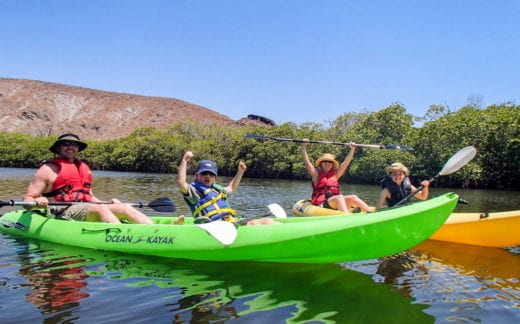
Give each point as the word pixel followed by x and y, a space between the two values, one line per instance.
pixel 102 212
pixel 179 220
pixel 121 210
pixel 353 200
pixel 337 202
pixel 262 221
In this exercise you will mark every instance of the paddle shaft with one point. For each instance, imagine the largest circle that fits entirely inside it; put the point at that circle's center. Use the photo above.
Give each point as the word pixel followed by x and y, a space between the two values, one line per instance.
pixel 243 221
pixel 397 147
pixel 457 161
pixel 160 205
pixel 421 187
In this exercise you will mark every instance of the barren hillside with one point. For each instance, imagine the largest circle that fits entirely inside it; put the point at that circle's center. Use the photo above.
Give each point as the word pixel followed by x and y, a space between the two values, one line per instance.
pixel 42 108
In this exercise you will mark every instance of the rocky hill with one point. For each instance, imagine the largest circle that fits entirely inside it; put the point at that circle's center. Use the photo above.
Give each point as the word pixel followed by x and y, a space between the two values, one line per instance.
pixel 43 108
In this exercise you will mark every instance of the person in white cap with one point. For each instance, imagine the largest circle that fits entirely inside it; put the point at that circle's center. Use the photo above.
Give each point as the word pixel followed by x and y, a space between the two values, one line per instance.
pixel 66 179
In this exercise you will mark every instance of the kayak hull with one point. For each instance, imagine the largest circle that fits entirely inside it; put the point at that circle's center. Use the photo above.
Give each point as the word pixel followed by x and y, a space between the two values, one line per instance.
pixel 498 229
pixel 297 240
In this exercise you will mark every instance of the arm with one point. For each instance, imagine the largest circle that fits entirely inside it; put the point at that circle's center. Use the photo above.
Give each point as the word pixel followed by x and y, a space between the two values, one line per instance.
pixel 344 165
pixel 40 183
pixel 382 198
pixel 181 172
pixel 235 182
pixel 423 194
pixel 308 164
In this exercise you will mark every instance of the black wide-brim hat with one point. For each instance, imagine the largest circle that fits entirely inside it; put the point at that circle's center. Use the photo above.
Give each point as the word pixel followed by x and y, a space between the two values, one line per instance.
pixel 68 138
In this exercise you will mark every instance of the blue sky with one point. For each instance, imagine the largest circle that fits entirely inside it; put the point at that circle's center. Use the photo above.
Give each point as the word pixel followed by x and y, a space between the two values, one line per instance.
pixel 288 60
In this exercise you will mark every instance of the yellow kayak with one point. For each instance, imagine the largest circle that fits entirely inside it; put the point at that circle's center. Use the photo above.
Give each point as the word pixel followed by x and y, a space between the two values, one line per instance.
pixel 496 229
pixel 304 207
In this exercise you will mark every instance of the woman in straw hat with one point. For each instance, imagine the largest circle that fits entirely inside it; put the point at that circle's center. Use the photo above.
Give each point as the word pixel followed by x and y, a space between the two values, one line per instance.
pixel 397 186
pixel 325 181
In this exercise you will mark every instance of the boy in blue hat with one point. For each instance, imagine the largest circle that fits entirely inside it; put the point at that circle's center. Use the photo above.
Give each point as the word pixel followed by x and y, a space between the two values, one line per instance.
pixel 207 199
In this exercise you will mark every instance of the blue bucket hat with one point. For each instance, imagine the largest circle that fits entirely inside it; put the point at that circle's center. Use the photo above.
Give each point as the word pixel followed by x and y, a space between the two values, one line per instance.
pixel 207 166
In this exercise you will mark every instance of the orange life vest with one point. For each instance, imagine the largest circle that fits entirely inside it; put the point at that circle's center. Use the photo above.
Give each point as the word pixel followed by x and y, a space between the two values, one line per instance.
pixel 73 182
pixel 326 187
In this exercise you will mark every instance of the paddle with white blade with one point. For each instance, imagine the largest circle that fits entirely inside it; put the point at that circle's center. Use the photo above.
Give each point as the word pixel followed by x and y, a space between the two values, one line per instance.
pixel 226 232
pixel 457 161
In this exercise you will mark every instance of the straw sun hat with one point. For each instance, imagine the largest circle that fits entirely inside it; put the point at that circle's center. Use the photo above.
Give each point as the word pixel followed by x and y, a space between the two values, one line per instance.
pixel 397 167
pixel 327 157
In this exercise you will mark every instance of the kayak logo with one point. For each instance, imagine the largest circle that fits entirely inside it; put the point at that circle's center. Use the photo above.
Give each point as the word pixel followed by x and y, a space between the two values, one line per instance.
pixel 15 225
pixel 153 239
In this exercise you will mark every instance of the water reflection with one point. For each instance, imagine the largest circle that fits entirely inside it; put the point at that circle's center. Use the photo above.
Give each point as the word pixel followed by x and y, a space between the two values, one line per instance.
pixel 61 278
pixel 458 281
pixel 448 282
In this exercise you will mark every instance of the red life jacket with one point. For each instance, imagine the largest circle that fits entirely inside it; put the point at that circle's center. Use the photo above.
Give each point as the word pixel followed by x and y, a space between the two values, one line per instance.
pixel 326 187
pixel 73 182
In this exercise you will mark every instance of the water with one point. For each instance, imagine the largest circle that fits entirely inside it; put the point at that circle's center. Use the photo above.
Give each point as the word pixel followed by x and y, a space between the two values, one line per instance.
pixel 434 282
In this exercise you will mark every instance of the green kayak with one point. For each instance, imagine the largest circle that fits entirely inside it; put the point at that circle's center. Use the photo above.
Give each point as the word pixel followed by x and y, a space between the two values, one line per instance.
pixel 340 238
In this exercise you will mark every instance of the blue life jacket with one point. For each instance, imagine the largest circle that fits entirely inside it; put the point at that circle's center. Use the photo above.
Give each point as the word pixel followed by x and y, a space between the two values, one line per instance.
pixel 397 193
pixel 212 203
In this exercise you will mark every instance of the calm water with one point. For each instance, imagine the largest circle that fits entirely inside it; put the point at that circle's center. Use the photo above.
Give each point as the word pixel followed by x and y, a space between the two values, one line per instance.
pixel 434 282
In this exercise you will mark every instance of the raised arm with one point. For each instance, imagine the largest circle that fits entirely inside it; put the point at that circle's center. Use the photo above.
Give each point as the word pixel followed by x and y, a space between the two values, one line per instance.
pixel 235 182
pixel 308 164
pixel 346 162
pixel 181 172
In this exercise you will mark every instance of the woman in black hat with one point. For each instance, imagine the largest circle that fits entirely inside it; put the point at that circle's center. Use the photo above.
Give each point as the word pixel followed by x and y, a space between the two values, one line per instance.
pixel 67 179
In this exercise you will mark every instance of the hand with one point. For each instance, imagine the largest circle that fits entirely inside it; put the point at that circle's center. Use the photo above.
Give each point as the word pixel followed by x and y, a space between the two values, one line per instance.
pixel 41 201
pixel 425 183
pixel 305 142
pixel 242 166
pixel 115 201
pixel 187 156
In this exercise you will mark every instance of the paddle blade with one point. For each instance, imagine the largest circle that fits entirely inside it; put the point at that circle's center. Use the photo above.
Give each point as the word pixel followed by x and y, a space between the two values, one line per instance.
pixel 399 147
pixel 255 136
pixel 222 231
pixel 6 203
pixel 277 211
pixel 162 205
pixel 460 159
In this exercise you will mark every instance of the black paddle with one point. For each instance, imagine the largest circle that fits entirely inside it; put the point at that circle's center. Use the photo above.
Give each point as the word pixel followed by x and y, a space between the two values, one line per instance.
pixel 457 161
pixel 386 147
pixel 161 205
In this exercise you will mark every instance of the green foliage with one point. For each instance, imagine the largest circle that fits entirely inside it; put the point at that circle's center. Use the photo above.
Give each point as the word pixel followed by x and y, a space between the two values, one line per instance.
pixel 494 131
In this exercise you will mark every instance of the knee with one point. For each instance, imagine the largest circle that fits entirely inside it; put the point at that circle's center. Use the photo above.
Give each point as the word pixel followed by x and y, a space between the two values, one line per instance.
pixel 97 208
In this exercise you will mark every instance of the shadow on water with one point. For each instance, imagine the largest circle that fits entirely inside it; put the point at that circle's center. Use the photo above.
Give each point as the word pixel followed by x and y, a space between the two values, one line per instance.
pixel 62 278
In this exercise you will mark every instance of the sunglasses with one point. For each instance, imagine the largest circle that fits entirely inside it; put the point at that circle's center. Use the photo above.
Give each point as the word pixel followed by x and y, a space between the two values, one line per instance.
pixel 207 173
pixel 73 144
